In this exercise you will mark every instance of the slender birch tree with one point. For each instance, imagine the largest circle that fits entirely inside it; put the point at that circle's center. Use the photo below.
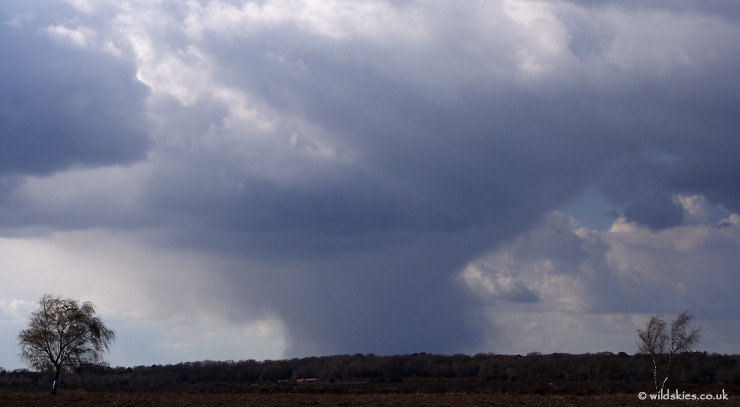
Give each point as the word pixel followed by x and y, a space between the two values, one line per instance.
pixel 663 345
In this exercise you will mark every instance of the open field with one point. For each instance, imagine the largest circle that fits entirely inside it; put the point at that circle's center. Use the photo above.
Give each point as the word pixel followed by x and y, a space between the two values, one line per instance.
pixel 82 399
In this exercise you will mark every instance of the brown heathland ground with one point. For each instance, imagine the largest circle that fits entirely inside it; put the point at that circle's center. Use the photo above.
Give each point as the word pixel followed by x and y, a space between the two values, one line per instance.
pixel 84 399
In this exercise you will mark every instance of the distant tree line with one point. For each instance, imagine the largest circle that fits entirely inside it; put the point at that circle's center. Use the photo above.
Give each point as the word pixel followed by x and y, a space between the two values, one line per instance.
pixel 594 369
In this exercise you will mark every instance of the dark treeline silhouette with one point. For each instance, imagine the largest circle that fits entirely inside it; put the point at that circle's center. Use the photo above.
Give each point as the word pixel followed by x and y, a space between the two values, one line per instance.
pixel 591 370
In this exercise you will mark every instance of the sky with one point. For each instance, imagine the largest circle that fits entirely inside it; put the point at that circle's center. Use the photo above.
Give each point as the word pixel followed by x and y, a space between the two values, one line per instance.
pixel 268 179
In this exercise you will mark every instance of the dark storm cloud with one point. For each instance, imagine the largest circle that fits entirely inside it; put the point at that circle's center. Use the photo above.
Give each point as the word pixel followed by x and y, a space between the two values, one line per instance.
pixel 518 142
pixel 64 106
pixel 386 300
pixel 349 174
pixel 471 171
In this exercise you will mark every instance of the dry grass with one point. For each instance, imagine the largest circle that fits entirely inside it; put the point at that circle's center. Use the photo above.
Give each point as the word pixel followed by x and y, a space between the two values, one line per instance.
pixel 83 399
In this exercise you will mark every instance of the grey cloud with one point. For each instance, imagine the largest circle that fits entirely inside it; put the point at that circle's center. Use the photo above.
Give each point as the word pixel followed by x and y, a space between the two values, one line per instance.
pixel 715 178
pixel 63 107
pixel 639 188
pixel 715 8
pixel 430 157
pixel 655 211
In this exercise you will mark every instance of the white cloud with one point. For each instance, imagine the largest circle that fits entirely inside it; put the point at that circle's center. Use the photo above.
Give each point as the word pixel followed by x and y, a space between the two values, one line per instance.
pixel 110 48
pixel 15 310
pixel 588 276
pixel 80 37
pixel 85 6
pixel 697 210
pixel 333 19
pixel 253 138
pixel 494 286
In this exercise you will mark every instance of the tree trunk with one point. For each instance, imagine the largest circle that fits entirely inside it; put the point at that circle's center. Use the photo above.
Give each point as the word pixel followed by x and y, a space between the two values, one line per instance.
pixel 668 371
pixel 56 380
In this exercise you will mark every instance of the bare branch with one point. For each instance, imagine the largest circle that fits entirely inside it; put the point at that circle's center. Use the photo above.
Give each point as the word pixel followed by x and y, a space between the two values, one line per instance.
pixel 63 333
pixel 661 346
pixel 683 338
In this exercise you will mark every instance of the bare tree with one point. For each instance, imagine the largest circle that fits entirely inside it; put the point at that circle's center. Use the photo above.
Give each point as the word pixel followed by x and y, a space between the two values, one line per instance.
pixel 63 334
pixel 597 367
pixel 663 346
